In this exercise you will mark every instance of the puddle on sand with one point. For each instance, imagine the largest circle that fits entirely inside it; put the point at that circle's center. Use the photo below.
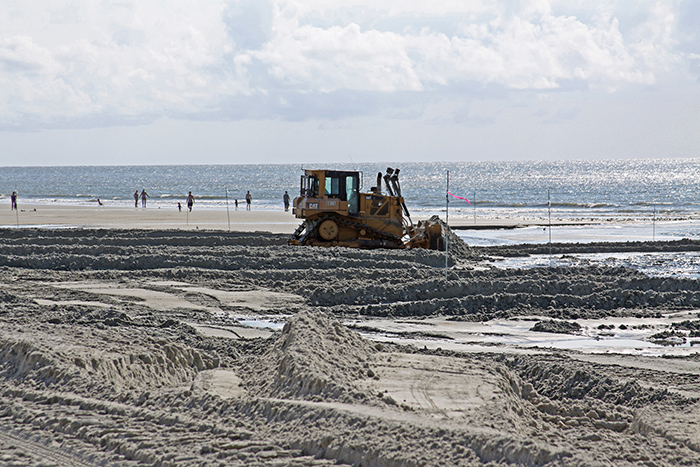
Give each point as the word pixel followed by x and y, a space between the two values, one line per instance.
pixel 262 324
pixel 617 335
pixel 608 335
pixel 242 327
pixel 232 324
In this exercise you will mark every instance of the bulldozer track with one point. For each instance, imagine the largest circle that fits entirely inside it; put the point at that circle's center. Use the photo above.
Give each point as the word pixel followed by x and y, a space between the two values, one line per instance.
pixel 297 235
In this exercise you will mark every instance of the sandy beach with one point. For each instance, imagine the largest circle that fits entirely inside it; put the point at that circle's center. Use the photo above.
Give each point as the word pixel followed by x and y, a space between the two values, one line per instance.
pixel 109 217
pixel 234 220
pixel 151 337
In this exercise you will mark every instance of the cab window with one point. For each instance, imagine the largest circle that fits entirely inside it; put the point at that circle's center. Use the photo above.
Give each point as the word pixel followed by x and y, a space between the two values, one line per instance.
pixel 351 189
pixel 333 186
pixel 309 186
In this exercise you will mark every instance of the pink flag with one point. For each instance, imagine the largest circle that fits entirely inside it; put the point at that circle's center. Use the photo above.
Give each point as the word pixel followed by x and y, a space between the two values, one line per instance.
pixel 459 197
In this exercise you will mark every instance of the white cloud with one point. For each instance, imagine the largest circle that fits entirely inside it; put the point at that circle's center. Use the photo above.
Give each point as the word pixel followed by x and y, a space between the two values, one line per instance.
pixel 117 61
pixel 30 82
pixel 341 58
pixel 80 60
pixel 533 49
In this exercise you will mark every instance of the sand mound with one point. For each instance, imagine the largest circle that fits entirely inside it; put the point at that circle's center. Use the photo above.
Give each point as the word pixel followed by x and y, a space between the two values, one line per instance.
pixel 555 379
pixel 314 357
pixel 556 326
pixel 458 248
pixel 93 360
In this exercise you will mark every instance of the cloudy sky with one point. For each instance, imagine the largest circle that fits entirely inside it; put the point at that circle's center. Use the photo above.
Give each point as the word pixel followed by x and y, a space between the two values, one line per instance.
pixel 99 82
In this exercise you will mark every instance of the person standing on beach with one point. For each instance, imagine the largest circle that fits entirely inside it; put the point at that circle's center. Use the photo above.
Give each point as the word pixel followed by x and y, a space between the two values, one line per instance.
pixel 13 198
pixel 136 199
pixel 190 201
pixel 236 203
pixel 286 201
pixel 144 195
pixel 248 200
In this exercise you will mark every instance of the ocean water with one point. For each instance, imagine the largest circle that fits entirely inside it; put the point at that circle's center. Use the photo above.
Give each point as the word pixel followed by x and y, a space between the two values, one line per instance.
pixel 642 189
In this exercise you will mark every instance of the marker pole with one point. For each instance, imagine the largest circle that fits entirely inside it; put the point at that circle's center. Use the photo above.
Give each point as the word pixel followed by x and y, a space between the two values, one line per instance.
pixel 447 222
pixel 549 210
pixel 228 216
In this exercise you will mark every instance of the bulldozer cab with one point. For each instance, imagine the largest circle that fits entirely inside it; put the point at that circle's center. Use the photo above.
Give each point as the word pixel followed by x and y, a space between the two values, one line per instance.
pixel 329 190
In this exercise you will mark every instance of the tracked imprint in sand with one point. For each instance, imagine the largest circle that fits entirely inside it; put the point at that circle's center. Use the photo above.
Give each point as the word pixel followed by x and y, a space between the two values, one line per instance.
pixel 258 300
pixel 442 387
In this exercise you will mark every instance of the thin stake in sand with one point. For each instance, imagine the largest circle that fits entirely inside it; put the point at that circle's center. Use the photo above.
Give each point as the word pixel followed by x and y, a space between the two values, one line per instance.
pixel 228 216
pixel 474 205
pixel 16 207
pixel 549 211
pixel 447 222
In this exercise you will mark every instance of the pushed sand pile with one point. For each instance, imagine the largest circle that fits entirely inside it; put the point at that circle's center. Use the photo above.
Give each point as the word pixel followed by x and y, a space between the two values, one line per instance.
pixel 43 355
pixel 457 247
pixel 314 358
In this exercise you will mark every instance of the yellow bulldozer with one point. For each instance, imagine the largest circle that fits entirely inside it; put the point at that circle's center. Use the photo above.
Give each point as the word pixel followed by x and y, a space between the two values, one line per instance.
pixel 337 213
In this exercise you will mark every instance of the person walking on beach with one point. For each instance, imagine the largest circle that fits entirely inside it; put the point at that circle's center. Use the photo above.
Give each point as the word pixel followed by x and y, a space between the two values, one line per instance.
pixel 144 195
pixel 13 199
pixel 190 201
pixel 248 200
pixel 236 203
pixel 286 201
pixel 136 199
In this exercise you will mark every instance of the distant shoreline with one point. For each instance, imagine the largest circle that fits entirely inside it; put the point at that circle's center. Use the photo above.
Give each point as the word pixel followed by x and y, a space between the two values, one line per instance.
pixel 274 220
pixel 52 216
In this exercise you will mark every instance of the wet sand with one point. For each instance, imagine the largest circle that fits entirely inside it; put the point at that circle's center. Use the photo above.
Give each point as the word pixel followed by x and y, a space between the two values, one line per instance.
pixel 53 216
pixel 235 220
pixel 171 347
